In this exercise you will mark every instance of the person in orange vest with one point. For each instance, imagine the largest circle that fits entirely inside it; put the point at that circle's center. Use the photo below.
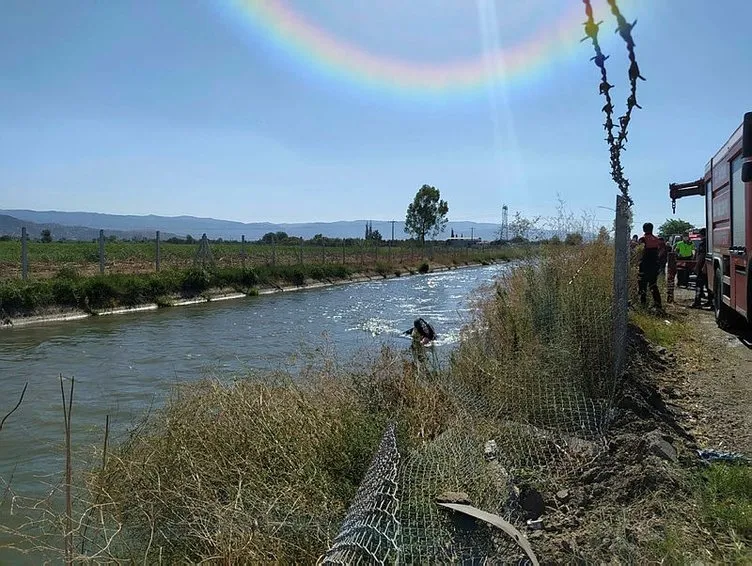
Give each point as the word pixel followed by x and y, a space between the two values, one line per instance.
pixel 649 266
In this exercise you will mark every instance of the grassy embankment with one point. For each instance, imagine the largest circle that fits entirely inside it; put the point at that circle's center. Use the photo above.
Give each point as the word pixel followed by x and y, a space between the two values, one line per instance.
pixel 68 289
pixel 263 469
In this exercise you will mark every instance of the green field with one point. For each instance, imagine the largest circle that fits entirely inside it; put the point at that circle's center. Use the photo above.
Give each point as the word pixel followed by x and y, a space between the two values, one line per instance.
pixel 48 259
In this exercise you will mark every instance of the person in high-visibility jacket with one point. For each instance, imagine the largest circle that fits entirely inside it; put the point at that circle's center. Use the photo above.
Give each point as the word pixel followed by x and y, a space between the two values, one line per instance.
pixel 684 250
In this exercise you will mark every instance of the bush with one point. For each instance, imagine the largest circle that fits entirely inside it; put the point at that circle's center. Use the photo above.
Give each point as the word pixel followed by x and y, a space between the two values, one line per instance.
pixel 98 292
pixel 424 267
pixel 195 281
pixel 381 269
pixel 67 273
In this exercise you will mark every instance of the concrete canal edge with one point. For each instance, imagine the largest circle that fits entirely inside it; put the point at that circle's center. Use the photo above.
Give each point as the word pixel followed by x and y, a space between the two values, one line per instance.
pixel 210 297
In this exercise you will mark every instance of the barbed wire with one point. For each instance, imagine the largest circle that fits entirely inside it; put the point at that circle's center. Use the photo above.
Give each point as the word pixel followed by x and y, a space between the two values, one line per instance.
pixel 618 140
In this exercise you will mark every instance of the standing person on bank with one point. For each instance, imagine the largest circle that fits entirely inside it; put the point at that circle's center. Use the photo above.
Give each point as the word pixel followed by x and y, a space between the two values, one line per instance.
pixel 649 266
pixel 662 256
pixel 684 250
pixel 702 275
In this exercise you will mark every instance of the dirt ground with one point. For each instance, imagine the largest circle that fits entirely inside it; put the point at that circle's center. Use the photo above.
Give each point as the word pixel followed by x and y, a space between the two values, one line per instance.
pixel 712 380
pixel 635 503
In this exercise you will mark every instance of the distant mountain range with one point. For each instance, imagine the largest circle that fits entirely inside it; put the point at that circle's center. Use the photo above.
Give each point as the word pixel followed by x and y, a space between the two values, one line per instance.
pixel 86 225
pixel 11 226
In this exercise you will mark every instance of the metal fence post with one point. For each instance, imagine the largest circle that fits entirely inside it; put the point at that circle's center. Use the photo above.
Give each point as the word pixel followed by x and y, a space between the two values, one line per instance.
pixel 101 251
pixel 621 284
pixel 24 254
pixel 391 246
pixel 343 251
pixel 159 258
pixel 242 251
pixel 274 250
pixel 323 252
pixel 301 250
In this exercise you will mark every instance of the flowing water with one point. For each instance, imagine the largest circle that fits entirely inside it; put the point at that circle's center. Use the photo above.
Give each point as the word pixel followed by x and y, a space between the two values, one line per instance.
pixel 125 364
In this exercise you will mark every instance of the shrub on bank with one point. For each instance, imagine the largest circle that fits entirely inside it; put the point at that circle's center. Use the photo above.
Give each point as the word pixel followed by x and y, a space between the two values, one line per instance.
pixel 68 290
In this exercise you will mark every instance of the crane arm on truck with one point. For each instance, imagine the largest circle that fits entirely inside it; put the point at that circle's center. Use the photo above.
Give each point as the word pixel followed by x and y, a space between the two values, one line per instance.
pixel 679 190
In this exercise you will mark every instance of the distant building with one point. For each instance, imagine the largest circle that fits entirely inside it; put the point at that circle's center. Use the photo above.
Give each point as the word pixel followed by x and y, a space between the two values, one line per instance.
pixel 462 242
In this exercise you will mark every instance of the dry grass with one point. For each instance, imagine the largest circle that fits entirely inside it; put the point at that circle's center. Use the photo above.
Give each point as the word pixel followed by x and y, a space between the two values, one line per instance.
pixel 257 471
pixel 546 340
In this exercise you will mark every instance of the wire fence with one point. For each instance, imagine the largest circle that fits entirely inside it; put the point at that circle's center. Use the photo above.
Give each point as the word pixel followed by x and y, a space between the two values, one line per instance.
pixel 23 259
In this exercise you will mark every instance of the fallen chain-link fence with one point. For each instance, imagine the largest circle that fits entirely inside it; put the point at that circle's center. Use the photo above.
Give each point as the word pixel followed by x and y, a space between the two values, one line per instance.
pixel 371 528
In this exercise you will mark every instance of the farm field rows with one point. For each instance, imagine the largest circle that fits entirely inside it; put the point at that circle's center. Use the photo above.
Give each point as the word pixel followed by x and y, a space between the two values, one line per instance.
pixel 49 259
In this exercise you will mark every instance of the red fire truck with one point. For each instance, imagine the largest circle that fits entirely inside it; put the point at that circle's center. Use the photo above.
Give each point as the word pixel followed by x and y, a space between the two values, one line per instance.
pixel 727 188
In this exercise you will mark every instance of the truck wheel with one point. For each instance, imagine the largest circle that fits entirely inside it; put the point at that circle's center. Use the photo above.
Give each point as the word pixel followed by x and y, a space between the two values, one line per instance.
pixel 722 312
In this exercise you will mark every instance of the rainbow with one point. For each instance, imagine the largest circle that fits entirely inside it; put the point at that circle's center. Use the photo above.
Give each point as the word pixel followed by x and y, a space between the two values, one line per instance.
pixel 317 50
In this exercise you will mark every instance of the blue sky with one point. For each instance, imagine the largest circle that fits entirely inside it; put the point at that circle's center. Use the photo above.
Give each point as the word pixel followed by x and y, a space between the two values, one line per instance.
pixel 183 107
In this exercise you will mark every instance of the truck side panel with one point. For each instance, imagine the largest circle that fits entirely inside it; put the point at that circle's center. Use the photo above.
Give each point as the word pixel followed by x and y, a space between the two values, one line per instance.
pixel 721 219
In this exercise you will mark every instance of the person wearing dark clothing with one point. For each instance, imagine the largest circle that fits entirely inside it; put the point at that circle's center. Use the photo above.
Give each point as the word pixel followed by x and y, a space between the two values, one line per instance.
pixel 649 266
pixel 422 331
pixel 662 256
pixel 701 271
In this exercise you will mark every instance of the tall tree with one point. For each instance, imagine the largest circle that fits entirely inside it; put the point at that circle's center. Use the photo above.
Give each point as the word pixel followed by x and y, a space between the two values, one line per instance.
pixel 674 226
pixel 427 214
